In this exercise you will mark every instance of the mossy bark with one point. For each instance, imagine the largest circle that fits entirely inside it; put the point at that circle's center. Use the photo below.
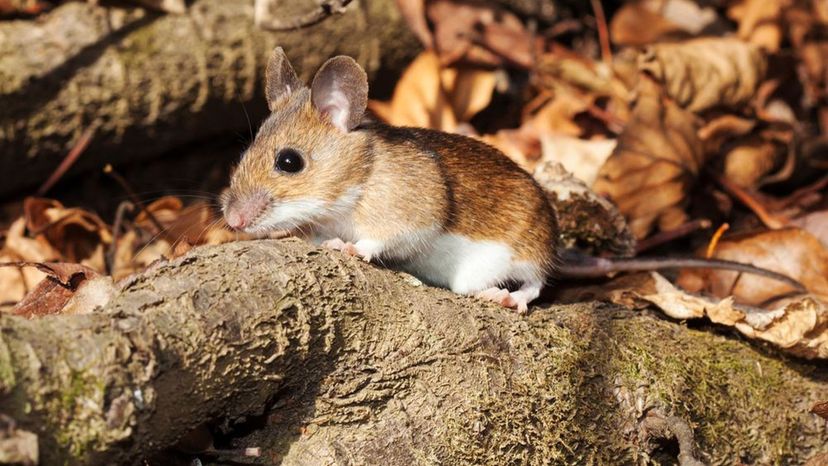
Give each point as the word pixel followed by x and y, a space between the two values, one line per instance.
pixel 149 82
pixel 348 363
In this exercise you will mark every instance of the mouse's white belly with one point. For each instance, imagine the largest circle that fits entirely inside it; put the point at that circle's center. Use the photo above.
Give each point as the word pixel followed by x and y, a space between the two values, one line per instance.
pixel 467 266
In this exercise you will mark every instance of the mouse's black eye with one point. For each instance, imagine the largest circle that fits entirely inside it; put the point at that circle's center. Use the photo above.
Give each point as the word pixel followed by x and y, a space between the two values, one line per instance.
pixel 289 161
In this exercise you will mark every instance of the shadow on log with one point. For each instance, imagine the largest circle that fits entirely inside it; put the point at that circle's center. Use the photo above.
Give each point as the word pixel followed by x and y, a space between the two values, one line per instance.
pixel 361 365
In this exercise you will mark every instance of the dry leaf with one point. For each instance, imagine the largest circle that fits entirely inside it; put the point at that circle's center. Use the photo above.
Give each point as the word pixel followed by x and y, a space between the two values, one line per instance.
pixel 752 158
pixel 76 234
pixel 792 252
pixel 583 158
pixel 430 96
pixel 664 20
pixel 478 33
pixel 759 22
pixel 51 294
pixel 799 327
pixel 655 163
pixel 704 73
pixel 815 223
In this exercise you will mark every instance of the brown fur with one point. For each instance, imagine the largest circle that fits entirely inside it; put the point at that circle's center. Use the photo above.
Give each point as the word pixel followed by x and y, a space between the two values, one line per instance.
pixel 489 196
pixel 412 180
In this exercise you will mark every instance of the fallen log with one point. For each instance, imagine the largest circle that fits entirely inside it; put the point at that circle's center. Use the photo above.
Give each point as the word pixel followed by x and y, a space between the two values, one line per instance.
pixel 349 363
pixel 144 83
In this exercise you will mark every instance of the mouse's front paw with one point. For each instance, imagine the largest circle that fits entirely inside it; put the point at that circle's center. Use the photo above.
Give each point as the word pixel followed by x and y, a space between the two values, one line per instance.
pixel 346 247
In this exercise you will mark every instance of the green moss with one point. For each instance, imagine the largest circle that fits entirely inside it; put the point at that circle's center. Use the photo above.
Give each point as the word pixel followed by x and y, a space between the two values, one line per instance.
pixel 76 407
pixel 595 373
pixel 720 389
pixel 7 378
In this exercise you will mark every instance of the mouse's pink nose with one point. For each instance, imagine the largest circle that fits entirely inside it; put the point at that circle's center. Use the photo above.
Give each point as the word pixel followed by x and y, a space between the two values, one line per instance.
pixel 243 212
pixel 235 219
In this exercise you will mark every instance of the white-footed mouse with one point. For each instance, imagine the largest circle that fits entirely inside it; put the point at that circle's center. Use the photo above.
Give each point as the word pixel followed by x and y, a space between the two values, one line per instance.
pixel 451 210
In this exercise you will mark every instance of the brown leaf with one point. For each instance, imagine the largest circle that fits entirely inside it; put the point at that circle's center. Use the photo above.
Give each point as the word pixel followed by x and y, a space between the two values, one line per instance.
pixel 815 223
pixel 76 234
pixel 430 96
pixel 799 327
pixel 51 294
pixel 792 252
pixel 655 163
pixel 626 25
pixel 759 22
pixel 478 33
pixel 751 158
pixel 583 158
pixel 704 73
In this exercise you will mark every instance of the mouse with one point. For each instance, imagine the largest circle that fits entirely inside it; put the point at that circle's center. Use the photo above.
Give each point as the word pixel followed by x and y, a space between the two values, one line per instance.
pixel 449 209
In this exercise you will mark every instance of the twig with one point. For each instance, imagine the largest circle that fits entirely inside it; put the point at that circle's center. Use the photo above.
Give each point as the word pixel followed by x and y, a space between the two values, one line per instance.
pixel 123 208
pixel 603 33
pixel 132 196
pixel 816 187
pixel 666 236
pixel 714 241
pixel 325 9
pixel 774 222
pixel 656 425
pixel 69 160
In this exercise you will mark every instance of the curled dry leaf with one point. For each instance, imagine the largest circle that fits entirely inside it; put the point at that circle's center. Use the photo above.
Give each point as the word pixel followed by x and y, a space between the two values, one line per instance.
pixel 799 327
pixel 704 73
pixel 62 281
pixel 431 96
pixel 750 159
pixel 793 252
pixel 586 220
pixel 75 234
pixel 656 161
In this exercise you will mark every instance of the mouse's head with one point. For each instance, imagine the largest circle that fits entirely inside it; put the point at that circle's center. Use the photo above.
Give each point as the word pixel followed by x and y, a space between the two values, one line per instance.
pixel 306 164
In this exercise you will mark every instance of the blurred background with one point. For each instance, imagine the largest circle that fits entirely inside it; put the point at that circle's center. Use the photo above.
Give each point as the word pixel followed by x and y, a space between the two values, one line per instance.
pixel 703 121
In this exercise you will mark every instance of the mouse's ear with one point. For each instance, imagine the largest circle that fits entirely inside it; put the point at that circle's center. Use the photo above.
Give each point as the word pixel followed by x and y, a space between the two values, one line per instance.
pixel 280 78
pixel 340 90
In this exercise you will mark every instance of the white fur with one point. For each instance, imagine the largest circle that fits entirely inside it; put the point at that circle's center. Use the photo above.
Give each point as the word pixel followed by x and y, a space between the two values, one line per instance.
pixel 469 267
pixel 452 261
pixel 298 213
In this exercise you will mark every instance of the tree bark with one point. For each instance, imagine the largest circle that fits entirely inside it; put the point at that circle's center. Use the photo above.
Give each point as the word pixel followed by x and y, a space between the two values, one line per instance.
pixel 348 363
pixel 148 82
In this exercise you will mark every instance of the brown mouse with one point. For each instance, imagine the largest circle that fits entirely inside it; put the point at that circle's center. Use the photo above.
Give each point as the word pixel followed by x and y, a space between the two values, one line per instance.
pixel 446 208
pixel 451 210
